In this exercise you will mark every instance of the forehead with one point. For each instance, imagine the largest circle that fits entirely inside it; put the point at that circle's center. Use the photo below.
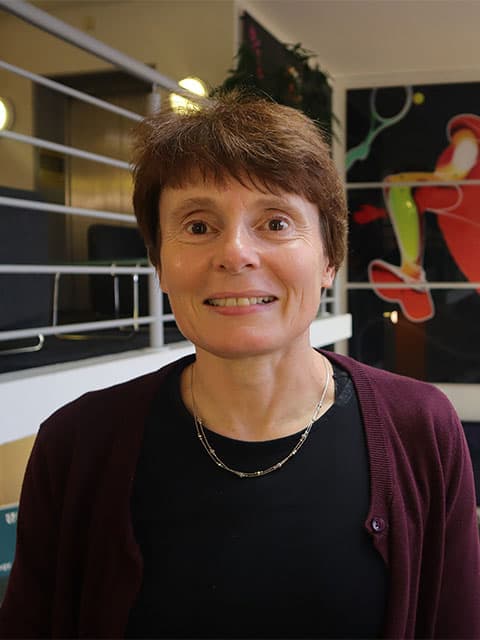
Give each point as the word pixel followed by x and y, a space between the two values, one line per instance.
pixel 202 192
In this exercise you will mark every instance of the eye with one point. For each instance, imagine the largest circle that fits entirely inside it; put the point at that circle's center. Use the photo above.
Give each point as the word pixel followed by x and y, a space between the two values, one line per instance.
pixel 197 227
pixel 278 224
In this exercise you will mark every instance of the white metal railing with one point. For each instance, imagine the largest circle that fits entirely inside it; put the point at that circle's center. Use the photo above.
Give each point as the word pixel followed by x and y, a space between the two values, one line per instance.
pixel 61 208
pixel 414 284
pixel 71 269
pixel 411 183
pixel 50 330
pixel 68 91
pixel 64 149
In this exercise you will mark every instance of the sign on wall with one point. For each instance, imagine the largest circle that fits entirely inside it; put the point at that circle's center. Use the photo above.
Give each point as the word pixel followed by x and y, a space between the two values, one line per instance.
pixel 8 531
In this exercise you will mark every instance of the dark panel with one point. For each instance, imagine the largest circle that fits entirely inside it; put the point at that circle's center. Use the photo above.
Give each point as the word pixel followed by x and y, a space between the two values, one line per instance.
pixel 25 299
pixel 445 348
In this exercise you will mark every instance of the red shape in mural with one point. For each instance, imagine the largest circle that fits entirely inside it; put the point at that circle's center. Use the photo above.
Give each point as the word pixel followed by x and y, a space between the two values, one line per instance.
pixel 457 207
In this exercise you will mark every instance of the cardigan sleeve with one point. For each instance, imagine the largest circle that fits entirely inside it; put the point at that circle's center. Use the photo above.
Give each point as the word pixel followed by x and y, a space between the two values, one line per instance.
pixel 459 603
pixel 75 491
pixel 26 610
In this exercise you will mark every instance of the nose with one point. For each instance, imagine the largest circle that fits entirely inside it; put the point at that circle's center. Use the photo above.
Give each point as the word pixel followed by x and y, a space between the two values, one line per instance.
pixel 236 250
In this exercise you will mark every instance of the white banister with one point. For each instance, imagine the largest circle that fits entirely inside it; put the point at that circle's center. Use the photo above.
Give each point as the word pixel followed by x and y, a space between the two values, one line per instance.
pixel 50 207
pixel 49 330
pixel 414 284
pixel 61 148
pixel 111 269
pixel 386 184
pixel 73 93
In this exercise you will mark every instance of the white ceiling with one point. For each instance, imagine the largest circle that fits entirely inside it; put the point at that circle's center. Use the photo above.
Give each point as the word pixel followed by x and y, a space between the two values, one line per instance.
pixel 353 37
pixel 363 37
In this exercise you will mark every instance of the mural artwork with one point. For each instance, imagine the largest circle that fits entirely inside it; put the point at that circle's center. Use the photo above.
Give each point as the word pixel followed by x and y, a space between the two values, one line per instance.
pixel 425 184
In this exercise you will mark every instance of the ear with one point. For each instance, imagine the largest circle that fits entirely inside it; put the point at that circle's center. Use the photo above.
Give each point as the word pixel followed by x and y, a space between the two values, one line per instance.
pixel 161 279
pixel 156 263
pixel 328 276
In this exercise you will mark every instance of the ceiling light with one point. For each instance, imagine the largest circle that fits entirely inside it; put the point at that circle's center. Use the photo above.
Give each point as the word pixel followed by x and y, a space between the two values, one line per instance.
pixel 194 85
pixel 6 114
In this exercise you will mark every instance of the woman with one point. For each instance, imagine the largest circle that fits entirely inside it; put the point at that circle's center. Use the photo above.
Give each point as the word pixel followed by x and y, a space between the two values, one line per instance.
pixel 261 488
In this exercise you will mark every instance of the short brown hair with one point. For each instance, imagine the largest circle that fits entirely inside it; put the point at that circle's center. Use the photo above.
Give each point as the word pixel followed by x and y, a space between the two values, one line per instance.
pixel 241 136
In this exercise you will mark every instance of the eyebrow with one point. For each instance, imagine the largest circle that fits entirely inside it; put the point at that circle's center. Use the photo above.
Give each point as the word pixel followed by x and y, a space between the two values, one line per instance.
pixel 199 202
pixel 204 202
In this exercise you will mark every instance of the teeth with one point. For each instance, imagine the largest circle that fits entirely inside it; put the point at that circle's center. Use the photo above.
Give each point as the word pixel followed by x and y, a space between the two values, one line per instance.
pixel 239 302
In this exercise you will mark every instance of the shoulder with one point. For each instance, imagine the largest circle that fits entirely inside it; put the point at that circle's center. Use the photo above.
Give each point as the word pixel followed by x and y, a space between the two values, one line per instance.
pixel 103 413
pixel 395 390
pixel 407 406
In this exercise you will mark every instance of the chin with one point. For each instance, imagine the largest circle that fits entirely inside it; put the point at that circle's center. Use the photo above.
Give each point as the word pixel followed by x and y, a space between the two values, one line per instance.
pixel 243 346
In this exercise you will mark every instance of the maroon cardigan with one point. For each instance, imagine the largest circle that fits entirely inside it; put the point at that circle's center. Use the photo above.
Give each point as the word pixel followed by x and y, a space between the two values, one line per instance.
pixel 77 568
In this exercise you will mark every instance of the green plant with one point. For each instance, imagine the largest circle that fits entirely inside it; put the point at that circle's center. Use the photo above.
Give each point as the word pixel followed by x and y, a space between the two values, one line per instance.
pixel 297 83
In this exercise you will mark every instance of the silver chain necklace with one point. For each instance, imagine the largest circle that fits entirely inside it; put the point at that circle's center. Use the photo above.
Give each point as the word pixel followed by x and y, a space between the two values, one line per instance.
pixel 262 472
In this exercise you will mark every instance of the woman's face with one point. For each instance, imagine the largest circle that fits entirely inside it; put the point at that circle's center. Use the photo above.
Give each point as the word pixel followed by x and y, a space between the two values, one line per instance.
pixel 243 269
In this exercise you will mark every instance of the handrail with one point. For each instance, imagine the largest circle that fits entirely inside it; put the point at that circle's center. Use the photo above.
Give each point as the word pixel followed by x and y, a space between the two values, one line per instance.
pixel 39 269
pixel 74 36
pixel 73 93
pixel 76 327
pixel 417 285
pixel 411 183
pixel 61 148
pixel 51 207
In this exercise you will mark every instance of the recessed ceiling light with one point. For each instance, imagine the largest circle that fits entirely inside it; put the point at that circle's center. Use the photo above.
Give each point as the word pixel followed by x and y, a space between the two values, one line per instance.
pixel 196 86
pixel 6 114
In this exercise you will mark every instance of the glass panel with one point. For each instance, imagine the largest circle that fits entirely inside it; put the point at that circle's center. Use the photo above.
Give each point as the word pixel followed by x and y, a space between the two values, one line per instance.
pixel 472 432
pixel 445 348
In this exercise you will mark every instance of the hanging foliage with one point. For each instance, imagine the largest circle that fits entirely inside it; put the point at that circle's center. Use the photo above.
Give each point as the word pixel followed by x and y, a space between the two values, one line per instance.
pixel 294 82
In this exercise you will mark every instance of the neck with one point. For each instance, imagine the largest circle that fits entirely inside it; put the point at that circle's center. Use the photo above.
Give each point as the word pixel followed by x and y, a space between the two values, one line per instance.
pixel 257 398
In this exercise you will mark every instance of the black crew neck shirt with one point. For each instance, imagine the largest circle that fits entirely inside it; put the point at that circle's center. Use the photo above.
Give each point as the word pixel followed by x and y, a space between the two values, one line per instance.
pixel 285 555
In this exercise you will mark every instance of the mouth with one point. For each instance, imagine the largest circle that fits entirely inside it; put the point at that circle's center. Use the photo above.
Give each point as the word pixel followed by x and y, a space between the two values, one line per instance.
pixel 239 302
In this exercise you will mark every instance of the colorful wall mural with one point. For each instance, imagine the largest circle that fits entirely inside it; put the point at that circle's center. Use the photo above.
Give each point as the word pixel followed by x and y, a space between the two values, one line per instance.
pixel 413 168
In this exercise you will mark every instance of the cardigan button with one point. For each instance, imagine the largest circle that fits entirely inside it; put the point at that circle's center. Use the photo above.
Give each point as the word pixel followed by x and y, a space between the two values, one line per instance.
pixel 378 525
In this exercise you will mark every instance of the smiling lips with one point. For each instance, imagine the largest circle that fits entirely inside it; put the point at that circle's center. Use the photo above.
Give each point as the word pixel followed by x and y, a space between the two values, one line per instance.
pixel 239 302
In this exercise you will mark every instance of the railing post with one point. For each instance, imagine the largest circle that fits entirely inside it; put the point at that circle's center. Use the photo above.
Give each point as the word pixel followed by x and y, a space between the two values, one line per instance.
pixel 154 100
pixel 155 296
pixel 155 301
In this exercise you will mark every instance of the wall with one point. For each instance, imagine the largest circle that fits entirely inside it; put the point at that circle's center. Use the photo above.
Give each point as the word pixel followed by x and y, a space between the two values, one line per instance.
pixel 168 34
pixel 13 459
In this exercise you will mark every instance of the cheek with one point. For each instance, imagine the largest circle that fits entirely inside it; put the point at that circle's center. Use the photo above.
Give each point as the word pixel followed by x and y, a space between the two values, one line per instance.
pixel 169 268
pixel 307 267
pixel 168 279
pixel 179 272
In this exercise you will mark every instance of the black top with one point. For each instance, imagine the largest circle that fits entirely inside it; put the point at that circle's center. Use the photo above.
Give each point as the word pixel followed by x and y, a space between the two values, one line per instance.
pixel 285 555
